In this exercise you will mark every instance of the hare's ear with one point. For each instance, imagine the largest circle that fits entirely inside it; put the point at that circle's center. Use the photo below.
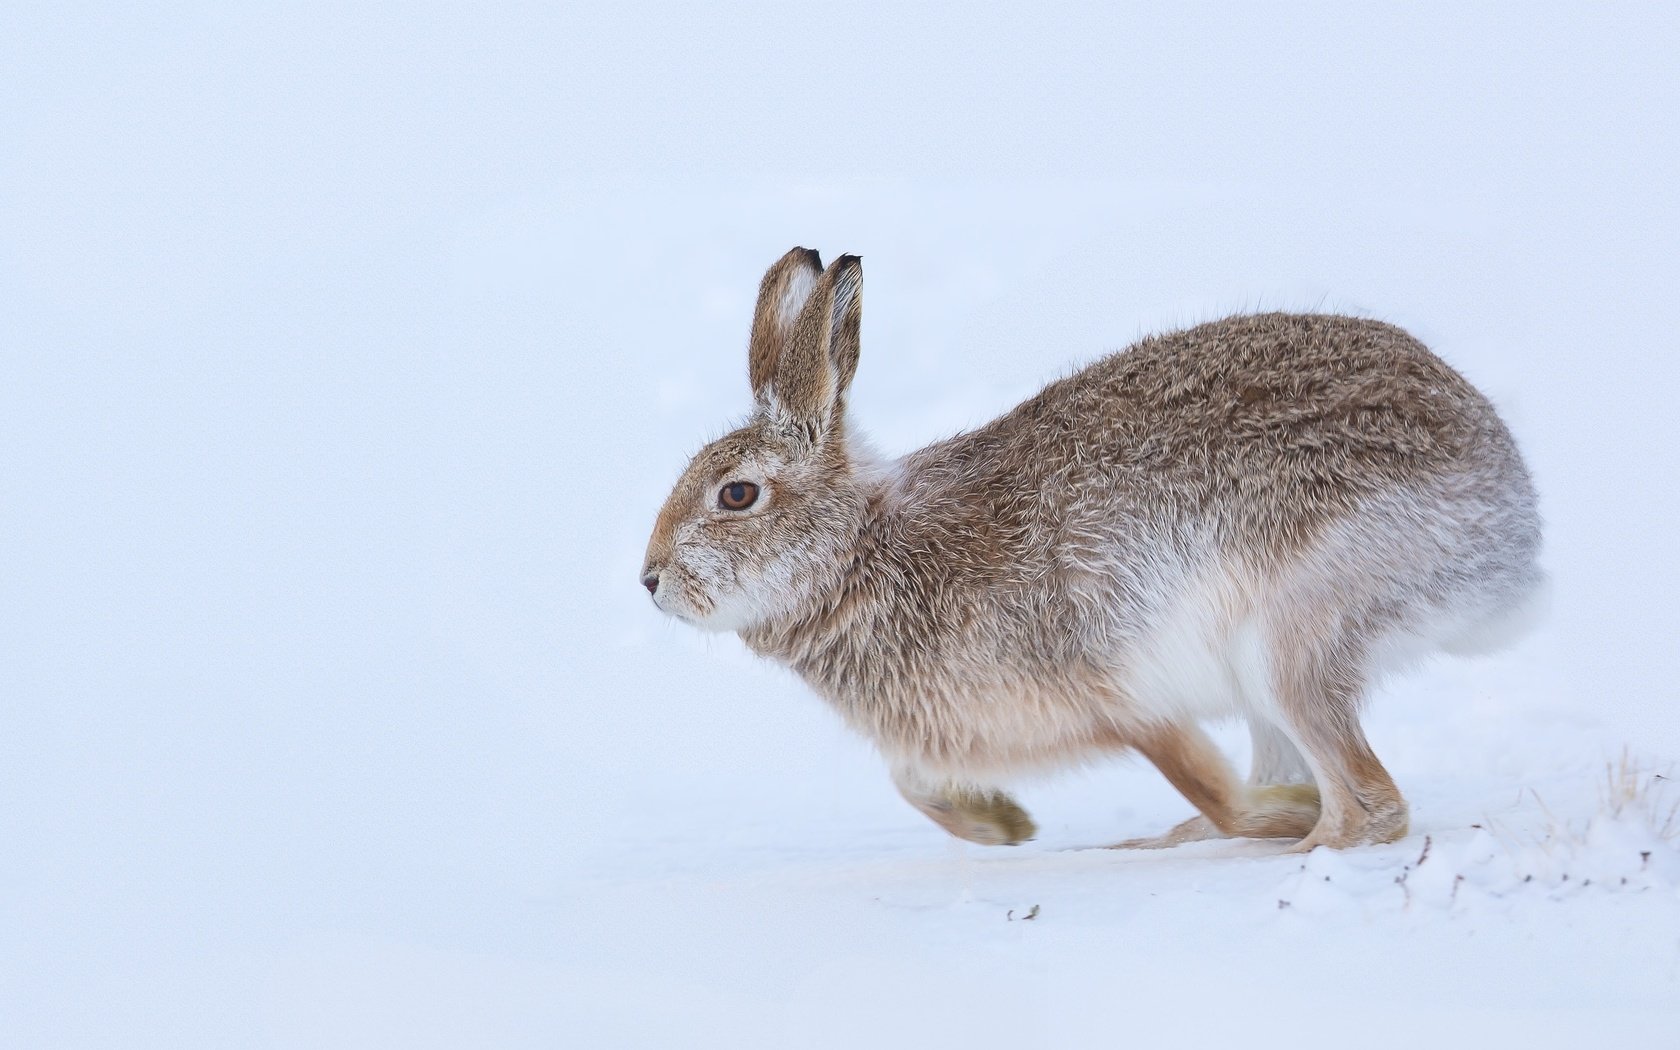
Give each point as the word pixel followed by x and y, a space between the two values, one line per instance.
pixel 846 320
pixel 816 365
pixel 781 296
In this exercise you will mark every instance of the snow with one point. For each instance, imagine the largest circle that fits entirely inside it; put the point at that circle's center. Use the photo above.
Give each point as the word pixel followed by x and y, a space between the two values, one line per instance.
pixel 348 354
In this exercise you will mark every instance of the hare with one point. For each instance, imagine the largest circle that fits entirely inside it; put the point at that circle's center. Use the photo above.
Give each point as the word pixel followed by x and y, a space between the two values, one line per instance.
pixel 1256 517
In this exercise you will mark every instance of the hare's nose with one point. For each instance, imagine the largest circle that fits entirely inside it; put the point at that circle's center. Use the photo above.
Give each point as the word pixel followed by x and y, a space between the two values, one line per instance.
pixel 651 582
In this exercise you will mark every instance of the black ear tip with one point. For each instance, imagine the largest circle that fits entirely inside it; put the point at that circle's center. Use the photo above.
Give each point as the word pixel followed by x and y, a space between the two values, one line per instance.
pixel 812 257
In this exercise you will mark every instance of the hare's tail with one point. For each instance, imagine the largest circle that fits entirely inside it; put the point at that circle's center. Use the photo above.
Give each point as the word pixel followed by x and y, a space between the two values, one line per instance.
pixel 1506 623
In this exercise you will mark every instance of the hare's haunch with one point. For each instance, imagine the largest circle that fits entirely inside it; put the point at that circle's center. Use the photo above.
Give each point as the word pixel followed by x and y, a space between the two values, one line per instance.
pixel 1257 517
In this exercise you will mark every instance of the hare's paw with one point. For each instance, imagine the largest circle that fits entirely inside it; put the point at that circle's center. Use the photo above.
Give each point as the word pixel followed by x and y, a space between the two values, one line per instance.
pixel 1278 811
pixel 1195 829
pixel 990 818
pixel 1386 821
pixel 1273 811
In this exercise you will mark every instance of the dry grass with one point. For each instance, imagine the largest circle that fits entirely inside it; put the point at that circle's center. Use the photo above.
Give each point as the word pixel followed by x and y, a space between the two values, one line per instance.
pixel 1632 792
pixel 1631 788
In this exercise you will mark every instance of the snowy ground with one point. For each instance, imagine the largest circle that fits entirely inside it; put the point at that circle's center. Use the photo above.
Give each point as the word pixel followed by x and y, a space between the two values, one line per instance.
pixel 345 358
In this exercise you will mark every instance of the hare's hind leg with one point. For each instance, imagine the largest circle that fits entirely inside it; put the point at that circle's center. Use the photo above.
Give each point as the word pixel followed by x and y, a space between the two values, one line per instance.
pixel 1318 704
pixel 978 814
pixel 1193 765
pixel 1276 760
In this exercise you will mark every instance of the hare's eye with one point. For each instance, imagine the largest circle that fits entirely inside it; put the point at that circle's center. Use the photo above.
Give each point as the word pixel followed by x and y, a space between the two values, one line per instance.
pixel 738 495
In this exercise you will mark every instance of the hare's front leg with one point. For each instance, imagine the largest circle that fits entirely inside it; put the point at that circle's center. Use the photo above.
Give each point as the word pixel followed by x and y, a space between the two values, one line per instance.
pixel 1229 808
pixel 968 811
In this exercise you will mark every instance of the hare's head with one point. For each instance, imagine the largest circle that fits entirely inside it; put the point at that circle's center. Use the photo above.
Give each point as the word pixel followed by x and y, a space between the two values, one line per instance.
pixel 764 517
